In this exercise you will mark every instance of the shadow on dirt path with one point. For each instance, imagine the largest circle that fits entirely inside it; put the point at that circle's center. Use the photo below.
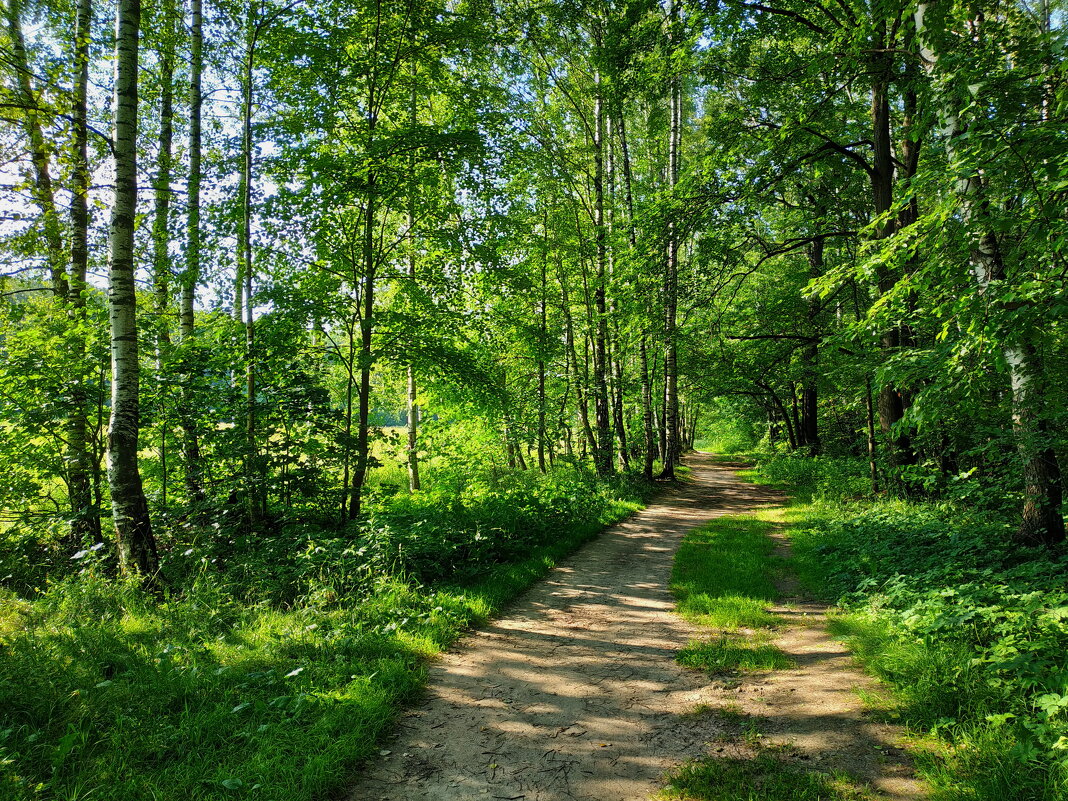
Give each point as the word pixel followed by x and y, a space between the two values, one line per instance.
pixel 814 711
pixel 575 694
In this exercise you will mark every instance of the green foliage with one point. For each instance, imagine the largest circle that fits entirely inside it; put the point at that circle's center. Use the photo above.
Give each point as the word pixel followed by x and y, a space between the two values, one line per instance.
pixel 275 668
pixel 968 628
pixel 443 533
pixel 732 428
pixel 817 477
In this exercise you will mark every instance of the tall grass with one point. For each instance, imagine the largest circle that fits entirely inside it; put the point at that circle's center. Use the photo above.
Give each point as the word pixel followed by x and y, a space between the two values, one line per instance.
pixel 272 665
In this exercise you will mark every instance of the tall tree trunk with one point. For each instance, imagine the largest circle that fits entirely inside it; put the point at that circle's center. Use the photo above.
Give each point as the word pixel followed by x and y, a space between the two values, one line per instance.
pixel 542 344
pixel 253 478
pixel 133 529
pixel 85 467
pixel 1041 522
pixel 648 429
pixel 350 381
pixel 671 279
pixel 77 462
pixel 161 265
pixel 413 407
pixel 602 452
pixel 366 331
pixel 869 407
pixel 810 432
pixel 795 415
pixel 891 398
pixel 563 417
pixel 684 416
pixel 191 274
pixel 569 343
pixel 161 269
pixel 658 412
pixel 784 415
pixel 413 434
pixel 42 189
pixel 616 358
pixel 648 424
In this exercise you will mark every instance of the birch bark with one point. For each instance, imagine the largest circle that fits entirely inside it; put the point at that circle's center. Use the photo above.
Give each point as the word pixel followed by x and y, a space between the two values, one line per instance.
pixel 133 529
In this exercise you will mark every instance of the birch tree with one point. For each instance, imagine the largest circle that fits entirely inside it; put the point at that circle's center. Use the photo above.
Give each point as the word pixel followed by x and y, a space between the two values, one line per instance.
pixel 133 528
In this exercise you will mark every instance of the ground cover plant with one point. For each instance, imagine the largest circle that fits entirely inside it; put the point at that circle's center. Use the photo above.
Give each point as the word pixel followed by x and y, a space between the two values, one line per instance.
pixel 967 629
pixel 272 688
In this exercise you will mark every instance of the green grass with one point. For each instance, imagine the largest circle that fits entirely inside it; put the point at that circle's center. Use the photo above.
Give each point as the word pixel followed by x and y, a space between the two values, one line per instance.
pixel 723 572
pixel 723 579
pixel 967 631
pixel 733 653
pixel 106 693
pixel 763 778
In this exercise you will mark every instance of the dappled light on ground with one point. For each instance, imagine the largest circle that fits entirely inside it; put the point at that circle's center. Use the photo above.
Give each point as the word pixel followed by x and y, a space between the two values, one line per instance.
pixel 576 693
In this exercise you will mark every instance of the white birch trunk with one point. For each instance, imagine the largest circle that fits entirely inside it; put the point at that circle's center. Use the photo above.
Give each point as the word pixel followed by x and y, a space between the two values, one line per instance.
pixel 133 529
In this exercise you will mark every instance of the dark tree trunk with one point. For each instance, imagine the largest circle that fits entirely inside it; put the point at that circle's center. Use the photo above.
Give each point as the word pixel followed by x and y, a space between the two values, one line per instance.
pixel 810 433
pixel 191 274
pixel 891 398
pixel 85 467
pixel 602 452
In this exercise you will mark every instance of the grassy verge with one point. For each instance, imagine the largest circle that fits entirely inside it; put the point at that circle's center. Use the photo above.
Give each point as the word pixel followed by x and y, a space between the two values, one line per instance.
pixel 968 632
pixel 106 693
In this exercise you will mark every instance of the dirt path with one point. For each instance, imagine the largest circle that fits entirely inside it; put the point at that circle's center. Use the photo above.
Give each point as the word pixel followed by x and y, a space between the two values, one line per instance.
pixel 813 712
pixel 576 693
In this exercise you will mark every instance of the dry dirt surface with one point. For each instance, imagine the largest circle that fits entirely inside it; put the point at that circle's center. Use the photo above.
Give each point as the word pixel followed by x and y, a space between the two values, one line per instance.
pixel 575 693
pixel 813 712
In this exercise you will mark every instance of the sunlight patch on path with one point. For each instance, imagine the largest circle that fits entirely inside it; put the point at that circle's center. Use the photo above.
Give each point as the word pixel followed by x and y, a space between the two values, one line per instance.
pixel 576 693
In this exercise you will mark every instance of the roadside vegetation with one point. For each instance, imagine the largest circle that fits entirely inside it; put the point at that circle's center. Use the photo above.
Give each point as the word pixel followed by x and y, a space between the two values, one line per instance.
pixel 271 664
pixel 968 630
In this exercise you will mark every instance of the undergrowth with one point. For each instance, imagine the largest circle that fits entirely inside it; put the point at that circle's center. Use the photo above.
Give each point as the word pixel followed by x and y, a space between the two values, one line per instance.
pixel 273 663
pixel 968 629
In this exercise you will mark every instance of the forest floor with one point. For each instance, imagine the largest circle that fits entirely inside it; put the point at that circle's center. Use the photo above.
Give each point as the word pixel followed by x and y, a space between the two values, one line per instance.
pixel 575 693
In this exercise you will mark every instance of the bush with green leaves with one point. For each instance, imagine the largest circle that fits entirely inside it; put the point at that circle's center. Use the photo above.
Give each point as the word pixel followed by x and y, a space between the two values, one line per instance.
pixel 823 477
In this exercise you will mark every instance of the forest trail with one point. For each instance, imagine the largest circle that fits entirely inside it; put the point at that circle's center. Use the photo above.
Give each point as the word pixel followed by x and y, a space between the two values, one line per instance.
pixel 576 694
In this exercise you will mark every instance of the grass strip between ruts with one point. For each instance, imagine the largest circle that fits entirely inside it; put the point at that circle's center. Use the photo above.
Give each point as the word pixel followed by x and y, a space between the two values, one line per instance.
pixel 724 579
